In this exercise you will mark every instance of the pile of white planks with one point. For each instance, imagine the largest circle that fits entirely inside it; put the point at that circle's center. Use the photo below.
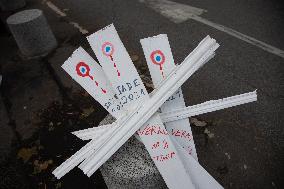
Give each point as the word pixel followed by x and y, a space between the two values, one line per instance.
pixel 117 86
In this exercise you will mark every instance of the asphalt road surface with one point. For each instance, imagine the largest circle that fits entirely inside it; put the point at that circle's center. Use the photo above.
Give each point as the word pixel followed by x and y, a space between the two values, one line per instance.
pixel 247 148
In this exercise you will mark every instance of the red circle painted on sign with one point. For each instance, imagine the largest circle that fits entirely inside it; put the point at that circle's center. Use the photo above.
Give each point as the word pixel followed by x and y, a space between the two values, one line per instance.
pixel 158 57
pixel 83 70
pixel 107 49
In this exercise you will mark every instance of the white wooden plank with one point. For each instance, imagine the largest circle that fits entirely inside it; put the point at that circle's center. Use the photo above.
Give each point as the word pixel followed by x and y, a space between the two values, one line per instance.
pixel 123 76
pixel 180 113
pixel 161 63
pixel 209 106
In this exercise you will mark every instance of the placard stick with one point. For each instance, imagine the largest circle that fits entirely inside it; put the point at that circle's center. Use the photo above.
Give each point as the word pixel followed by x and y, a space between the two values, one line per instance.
pixel 157 51
pixel 130 90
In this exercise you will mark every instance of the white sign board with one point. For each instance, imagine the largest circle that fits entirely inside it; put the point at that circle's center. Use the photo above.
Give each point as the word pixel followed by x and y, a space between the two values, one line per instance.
pixel 160 62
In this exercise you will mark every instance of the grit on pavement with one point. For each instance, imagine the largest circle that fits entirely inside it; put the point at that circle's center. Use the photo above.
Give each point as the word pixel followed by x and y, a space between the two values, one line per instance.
pixel 245 144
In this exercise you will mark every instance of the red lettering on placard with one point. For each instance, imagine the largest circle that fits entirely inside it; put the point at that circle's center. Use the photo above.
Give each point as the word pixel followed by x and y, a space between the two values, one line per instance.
pixel 190 150
pixel 151 130
pixel 178 133
pixel 164 157
pixel 172 154
pixel 181 134
pixel 156 145
pixel 165 144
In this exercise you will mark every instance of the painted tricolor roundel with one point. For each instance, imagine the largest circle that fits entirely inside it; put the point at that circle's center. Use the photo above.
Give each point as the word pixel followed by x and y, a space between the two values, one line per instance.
pixel 108 50
pixel 158 58
pixel 83 70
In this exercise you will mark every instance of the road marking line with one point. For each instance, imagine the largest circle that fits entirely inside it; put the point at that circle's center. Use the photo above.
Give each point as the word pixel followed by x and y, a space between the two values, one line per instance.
pixel 264 46
pixel 178 13
pixel 55 9
pixel 61 13
pixel 80 28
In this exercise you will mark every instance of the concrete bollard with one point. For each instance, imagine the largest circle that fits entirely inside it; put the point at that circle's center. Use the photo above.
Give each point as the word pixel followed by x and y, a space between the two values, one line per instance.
pixel 32 33
pixel 131 167
pixel 10 5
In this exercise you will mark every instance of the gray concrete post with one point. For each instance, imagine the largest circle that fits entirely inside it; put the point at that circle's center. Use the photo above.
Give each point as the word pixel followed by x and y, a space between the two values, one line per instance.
pixel 131 167
pixel 10 5
pixel 32 33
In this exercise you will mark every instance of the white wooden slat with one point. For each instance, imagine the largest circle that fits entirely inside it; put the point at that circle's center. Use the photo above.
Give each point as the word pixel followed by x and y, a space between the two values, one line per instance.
pixel 127 127
pixel 177 114
pixel 160 62
pixel 94 132
pixel 123 76
pixel 209 106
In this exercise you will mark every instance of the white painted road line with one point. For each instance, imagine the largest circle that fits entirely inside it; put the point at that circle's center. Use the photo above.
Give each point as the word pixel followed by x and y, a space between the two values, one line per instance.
pixel 264 46
pixel 177 13
pixel 61 13
pixel 55 9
